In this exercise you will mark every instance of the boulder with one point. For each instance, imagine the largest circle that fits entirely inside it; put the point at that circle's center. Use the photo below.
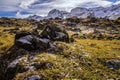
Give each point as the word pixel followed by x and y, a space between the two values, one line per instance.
pixel 21 34
pixel 55 33
pixel 14 68
pixel 25 42
pixel 32 42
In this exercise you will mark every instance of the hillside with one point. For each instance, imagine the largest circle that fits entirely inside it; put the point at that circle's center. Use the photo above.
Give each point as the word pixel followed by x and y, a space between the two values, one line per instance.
pixel 55 49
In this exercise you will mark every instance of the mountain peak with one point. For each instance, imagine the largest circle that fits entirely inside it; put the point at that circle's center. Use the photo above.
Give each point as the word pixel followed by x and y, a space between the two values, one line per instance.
pixel 112 12
pixel 55 13
pixel 35 17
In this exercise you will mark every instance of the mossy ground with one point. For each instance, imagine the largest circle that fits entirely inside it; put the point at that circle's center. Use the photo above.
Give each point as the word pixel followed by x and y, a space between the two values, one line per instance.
pixel 6 41
pixel 83 59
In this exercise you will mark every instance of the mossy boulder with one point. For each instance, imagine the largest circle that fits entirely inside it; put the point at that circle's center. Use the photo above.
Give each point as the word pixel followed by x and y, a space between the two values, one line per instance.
pixel 55 33
pixel 21 34
pixel 32 43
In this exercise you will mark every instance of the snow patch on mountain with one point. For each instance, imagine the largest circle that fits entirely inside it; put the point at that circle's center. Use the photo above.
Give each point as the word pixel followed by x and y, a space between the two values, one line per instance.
pixel 112 12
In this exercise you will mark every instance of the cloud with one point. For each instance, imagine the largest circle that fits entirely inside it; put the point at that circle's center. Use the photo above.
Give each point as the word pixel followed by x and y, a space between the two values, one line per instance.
pixel 9 5
pixel 69 4
pixel 19 15
pixel 116 3
pixel 42 7
pixel 26 3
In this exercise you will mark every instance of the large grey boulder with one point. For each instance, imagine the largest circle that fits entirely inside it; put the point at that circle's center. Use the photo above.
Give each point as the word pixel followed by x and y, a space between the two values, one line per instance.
pixel 21 34
pixel 32 42
pixel 55 33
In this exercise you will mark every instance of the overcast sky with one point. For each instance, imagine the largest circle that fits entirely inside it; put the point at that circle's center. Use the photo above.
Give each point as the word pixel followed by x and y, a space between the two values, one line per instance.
pixel 24 8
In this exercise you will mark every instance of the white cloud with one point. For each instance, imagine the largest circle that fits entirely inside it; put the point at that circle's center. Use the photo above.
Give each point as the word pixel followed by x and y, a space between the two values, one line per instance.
pixel 116 3
pixel 19 15
pixel 26 3
pixel 9 5
pixel 69 4
pixel 42 7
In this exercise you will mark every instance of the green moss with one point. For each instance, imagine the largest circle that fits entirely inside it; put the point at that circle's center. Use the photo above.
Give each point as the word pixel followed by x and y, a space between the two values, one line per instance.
pixel 6 41
pixel 81 61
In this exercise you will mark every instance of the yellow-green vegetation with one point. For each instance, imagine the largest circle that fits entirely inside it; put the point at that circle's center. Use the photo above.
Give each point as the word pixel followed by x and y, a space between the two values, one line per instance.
pixel 102 48
pixel 6 41
pixel 83 59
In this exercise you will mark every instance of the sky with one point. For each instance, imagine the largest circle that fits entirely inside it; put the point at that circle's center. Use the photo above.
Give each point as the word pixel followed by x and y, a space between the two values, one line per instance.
pixel 25 8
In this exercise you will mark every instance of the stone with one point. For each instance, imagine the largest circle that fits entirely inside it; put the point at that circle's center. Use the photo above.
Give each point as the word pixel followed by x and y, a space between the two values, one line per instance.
pixel 14 63
pixel 77 30
pixel 21 34
pixel 42 65
pixel 113 64
pixel 32 42
pixel 25 42
pixel 14 68
pixel 55 33
pixel 34 77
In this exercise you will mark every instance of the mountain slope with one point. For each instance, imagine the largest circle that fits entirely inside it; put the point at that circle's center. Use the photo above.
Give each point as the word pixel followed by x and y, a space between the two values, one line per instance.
pixel 112 12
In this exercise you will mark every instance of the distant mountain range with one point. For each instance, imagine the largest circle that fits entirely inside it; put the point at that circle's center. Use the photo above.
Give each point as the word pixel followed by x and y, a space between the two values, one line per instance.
pixel 112 12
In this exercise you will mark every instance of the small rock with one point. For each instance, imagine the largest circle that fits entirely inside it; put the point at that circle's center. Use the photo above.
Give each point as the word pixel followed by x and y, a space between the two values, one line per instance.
pixel 34 77
pixel 113 64
pixel 42 65
pixel 14 63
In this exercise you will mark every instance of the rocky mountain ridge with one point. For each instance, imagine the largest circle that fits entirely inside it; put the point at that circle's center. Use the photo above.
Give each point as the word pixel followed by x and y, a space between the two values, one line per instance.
pixel 112 12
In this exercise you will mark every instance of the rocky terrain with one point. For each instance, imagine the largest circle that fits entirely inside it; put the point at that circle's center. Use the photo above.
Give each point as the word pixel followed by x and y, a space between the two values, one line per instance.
pixel 55 49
